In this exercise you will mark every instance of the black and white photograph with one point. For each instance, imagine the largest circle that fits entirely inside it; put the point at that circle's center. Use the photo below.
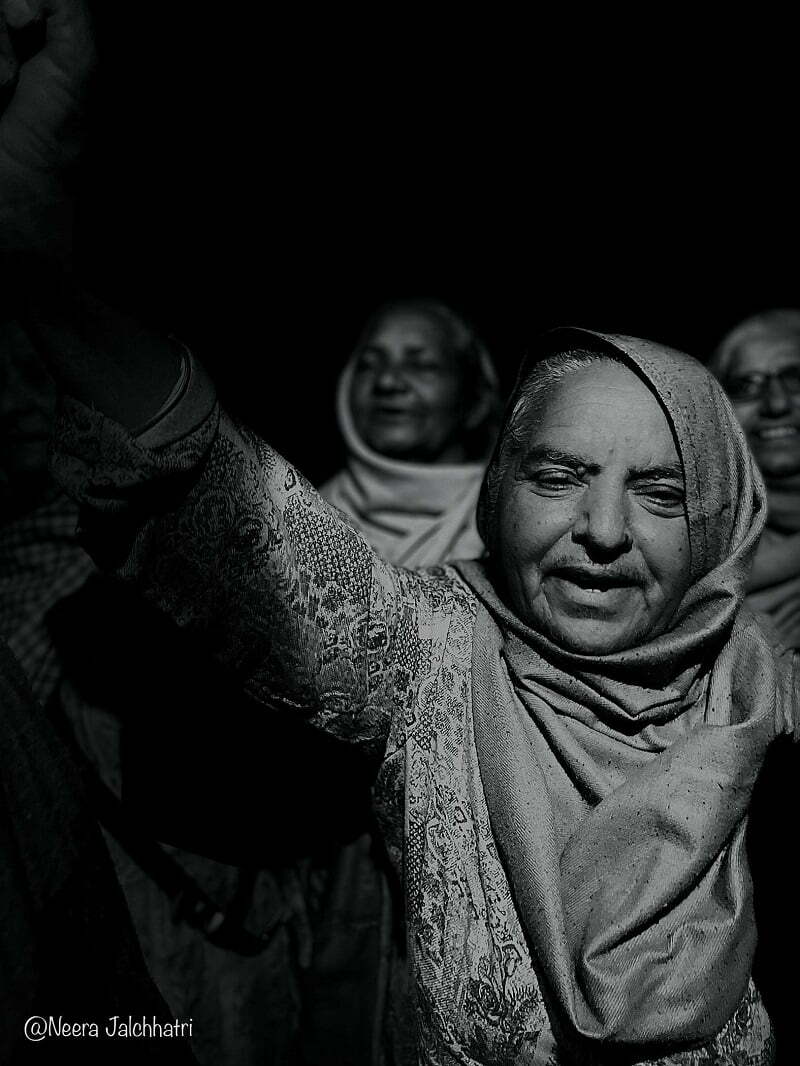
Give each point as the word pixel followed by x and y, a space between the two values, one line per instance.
pixel 399 542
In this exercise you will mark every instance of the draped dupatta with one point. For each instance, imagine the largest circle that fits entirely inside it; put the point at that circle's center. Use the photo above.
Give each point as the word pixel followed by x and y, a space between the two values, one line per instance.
pixel 413 514
pixel 618 785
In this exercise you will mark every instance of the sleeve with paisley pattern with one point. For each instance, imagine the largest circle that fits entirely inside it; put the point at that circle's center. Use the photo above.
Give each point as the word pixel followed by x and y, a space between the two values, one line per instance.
pixel 226 537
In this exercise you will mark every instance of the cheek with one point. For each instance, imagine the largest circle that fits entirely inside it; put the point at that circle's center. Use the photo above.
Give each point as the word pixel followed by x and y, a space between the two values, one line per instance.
pixel 359 397
pixel 531 528
pixel 666 548
pixel 443 397
pixel 747 415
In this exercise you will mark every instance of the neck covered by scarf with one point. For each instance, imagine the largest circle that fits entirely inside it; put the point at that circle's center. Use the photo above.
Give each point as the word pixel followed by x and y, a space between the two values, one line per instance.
pixel 774 586
pixel 413 514
pixel 618 786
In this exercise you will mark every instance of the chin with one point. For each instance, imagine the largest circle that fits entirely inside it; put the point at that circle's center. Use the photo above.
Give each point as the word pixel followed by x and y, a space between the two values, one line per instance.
pixel 591 639
pixel 396 447
pixel 409 453
pixel 778 465
pixel 778 474
pixel 605 645
pixel 778 458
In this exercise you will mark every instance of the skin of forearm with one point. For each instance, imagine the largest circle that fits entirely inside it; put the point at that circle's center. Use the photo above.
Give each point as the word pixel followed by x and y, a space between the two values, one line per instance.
pixel 97 354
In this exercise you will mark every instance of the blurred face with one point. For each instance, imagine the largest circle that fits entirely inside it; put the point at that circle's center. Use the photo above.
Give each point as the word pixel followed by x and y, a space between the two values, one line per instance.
pixel 27 404
pixel 407 395
pixel 593 538
pixel 763 383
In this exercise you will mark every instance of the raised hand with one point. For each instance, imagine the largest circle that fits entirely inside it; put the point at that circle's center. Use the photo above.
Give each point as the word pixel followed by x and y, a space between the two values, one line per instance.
pixel 97 354
pixel 46 59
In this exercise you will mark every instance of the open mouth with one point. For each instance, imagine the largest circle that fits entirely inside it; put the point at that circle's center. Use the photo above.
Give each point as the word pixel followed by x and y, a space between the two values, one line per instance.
pixel 392 413
pixel 771 433
pixel 593 580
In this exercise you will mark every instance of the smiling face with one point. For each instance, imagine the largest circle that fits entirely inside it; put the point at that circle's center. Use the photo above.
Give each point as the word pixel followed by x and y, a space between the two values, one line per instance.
pixel 592 536
pixel 407 396
pixel 770 416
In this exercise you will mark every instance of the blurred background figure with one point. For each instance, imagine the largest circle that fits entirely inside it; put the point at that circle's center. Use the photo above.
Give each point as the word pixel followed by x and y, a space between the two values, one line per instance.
pixel 215 909
pixel 218 902
pixel 758 363
pixel 418 407
pixel 67 944
pixel 41 561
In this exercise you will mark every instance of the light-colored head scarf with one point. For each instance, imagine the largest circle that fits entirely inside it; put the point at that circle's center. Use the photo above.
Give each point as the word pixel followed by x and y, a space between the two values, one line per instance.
pixel 618 785
pixel 774 584
pixel 413 514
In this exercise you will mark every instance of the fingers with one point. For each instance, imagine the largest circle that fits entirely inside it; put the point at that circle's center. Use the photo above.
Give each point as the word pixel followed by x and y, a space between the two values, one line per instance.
pixel 45 74
pixel 9 68
pixel 19 13
pixel 15 16
pixel 69 37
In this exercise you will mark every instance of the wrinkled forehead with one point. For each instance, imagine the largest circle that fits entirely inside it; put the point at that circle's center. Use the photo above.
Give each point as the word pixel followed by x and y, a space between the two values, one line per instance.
pixel 605 413
pixel 709 441
pixel 718 470
pixel 406 328
pixel 755 340
pixel 767 351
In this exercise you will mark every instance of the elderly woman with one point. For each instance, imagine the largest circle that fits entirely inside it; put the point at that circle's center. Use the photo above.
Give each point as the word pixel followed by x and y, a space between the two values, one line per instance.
pixel 417 407
pixel 569 731
pixel 758 363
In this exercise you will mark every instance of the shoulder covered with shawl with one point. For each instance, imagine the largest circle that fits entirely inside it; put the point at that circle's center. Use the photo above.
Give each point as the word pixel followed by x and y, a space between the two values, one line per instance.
pixel 224 535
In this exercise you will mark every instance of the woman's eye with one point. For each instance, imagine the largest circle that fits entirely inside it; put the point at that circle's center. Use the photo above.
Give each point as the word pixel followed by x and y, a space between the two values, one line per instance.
pixel 366 361
pixel 745 388
pixel 665 497
pixel 426 363
pixel 554 480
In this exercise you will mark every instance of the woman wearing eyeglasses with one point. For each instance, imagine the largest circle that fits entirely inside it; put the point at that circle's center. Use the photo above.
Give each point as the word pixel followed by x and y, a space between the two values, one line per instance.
pixel 759 364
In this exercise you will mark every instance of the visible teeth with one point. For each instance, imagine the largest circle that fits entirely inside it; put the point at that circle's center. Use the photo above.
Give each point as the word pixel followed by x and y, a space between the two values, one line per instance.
pixel 776 432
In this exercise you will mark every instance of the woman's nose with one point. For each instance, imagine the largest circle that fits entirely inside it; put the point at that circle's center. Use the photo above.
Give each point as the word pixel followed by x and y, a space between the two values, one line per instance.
pixel 602 524
pixel 389 379
pixel 775 399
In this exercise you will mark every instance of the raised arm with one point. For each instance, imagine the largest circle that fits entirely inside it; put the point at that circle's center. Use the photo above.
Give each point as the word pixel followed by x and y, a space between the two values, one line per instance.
pixel 220 532
pixel 213 526
pixel 97 354
pixel 46 62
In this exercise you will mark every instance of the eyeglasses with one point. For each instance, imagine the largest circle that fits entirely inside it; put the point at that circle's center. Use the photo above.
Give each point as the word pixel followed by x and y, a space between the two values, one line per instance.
pixel 751 387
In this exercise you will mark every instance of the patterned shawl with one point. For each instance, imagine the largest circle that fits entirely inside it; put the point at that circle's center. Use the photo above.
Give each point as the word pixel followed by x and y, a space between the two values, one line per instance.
pixel 413 514
pixel 618 785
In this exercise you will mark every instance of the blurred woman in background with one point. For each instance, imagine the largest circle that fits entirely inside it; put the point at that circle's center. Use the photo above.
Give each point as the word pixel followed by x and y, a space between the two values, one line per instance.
pixel 758 362
pixel 418 407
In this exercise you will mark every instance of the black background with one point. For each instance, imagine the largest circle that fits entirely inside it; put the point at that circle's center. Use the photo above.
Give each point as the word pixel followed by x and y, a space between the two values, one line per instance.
pixel 258 181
